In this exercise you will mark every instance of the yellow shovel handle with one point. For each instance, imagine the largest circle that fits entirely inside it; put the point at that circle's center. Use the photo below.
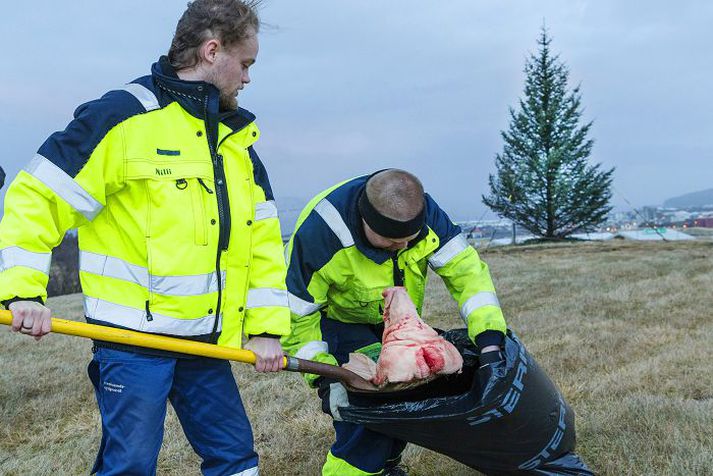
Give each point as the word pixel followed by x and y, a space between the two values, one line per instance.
pixel 141 339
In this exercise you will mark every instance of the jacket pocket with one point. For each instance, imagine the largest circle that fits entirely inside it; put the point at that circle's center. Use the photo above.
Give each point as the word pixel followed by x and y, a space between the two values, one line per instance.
pixel 179 211
pixel 364 304
pixel 367 296
pixel 197 189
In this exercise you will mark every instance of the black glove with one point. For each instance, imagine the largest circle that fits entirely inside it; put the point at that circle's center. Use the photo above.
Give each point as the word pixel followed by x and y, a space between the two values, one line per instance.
pixel 490 358
pixel 492 370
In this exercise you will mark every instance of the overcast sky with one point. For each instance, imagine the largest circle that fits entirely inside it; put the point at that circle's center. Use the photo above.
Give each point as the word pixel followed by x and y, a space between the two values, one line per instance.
pixel 343 88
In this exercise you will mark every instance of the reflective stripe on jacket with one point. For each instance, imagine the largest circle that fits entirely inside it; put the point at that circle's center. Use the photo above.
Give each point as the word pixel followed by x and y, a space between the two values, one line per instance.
pixel 334 272
pixel 178 228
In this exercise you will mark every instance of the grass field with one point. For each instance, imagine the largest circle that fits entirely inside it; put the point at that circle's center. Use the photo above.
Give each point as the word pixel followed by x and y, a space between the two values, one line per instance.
pixel 624 329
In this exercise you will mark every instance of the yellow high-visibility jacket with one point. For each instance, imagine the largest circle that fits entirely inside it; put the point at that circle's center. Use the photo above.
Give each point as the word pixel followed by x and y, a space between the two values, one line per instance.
pixel 177 224
pixel 335 273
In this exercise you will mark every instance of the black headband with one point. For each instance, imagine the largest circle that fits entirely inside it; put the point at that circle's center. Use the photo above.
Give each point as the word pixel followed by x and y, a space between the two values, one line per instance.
pixel 388 227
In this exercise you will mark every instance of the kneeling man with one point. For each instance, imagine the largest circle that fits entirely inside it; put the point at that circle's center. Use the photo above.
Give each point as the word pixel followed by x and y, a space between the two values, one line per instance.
pixel 351 242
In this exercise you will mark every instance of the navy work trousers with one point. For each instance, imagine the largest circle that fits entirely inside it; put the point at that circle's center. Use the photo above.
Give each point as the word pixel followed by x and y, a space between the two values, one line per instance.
pixel 132 390
pixel 360 447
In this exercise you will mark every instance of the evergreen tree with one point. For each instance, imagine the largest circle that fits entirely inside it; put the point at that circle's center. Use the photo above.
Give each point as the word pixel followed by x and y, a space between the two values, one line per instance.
pixel 544 182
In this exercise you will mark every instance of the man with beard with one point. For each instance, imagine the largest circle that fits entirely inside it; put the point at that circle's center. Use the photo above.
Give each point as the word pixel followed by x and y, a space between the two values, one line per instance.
pixel 178 236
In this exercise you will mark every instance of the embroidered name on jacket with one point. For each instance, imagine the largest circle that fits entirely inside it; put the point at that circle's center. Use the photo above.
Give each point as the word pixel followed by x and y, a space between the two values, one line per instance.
pixel 163 171
pixel 168 152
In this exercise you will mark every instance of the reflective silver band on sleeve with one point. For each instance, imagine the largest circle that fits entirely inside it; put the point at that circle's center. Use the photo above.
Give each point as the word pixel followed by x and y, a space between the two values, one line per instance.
pixel 482 299
pixel 147 99
pixel 265 210
pixel 64 186
pixel 15 256
pixel 301 307
pixel 447 252
pixel 267 297
pixel 137 319
pixel 312 348
pixel 335 222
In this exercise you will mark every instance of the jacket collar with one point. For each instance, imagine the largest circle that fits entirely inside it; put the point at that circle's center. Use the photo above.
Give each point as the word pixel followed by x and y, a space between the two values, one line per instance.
pixel 199 98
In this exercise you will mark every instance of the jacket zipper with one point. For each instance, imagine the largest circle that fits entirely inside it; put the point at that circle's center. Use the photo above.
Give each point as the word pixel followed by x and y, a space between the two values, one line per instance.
pixel 149 317
pixel 398 281
pixel 221 195
pixel 223 209
pixel 398 272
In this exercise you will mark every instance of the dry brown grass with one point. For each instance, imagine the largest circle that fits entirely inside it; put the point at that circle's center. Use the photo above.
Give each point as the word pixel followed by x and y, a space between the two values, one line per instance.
pixel 699 232
pixel 623 328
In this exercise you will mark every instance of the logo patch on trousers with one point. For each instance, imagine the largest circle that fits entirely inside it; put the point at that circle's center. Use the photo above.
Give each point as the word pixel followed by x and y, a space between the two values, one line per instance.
pixel 113 387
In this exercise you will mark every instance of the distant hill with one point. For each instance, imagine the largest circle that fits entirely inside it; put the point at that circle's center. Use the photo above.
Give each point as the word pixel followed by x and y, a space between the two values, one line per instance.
pixel 691 200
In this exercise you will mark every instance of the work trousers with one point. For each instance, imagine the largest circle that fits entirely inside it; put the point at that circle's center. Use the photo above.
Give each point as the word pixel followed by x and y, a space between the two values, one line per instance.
pixel 132 390
pixel 357 450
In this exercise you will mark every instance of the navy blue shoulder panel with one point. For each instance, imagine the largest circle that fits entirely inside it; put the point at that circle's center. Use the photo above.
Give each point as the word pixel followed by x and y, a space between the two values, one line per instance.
pixel 71 148
pixel 313 245
pixel 147 81
pixel 439 222
pixel 260 174
pixel 344 199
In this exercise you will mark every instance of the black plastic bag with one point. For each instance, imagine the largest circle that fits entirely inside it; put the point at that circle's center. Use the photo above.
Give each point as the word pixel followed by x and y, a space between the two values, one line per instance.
pixel 503 418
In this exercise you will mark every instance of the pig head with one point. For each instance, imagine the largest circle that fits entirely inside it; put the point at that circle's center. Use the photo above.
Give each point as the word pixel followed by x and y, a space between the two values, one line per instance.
pixel 411 349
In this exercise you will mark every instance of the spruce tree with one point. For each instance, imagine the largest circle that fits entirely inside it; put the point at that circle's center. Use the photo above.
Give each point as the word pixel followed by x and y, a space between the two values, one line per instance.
pixel 543 180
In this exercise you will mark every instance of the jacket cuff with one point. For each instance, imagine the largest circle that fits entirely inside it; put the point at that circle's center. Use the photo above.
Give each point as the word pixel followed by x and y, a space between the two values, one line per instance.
pixel 265 334
pixel 489 337
pixel 15 299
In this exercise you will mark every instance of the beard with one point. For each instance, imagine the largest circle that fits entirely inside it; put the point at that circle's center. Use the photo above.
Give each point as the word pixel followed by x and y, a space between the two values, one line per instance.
pixel 228 102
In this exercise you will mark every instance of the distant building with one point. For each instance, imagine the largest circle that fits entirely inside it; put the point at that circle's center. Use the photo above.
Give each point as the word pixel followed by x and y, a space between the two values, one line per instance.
pixel 649 214
pixel 474 232
pixel 676 217
pixel 702 222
